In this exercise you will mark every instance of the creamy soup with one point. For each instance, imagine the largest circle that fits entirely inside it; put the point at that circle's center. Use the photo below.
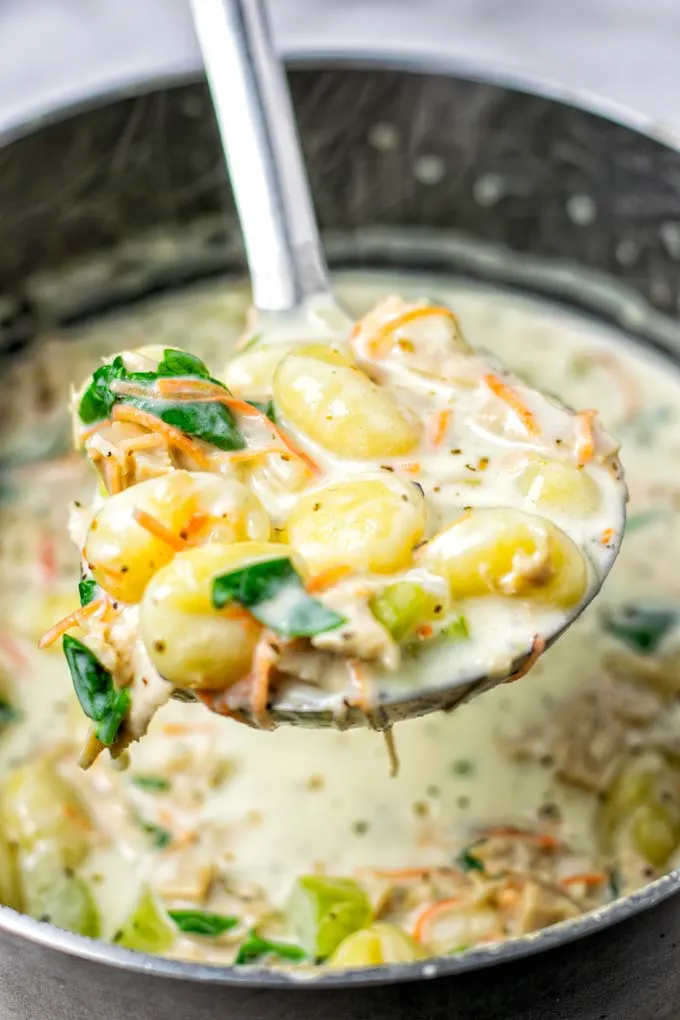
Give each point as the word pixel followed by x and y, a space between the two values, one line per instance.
pixel 529 806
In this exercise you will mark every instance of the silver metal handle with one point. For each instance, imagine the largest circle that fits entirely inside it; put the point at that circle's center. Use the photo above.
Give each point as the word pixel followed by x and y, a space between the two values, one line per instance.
pixel 262 148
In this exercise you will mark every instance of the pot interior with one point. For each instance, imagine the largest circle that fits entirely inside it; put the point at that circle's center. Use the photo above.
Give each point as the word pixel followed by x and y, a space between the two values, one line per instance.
pixel 472 188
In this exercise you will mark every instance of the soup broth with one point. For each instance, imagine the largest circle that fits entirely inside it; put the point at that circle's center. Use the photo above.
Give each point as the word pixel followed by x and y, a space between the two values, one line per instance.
pixel 217 817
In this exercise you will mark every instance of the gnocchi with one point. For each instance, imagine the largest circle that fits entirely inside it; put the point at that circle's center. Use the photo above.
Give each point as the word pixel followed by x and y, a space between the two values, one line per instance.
pixel 364 524
pixel 557 487
pixel 332 401
pixel 509 553
pixel 124 551
pixel 188 640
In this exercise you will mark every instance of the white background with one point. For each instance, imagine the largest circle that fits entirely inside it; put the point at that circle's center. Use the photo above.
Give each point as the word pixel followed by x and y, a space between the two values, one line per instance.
pixel 628 50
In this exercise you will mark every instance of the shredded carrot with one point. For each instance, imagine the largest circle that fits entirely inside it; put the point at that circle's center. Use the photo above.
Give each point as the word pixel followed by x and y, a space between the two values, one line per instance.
pixel 607 536
pixel 327 578
pixel 173 729
pixel 359 680
pixel 114 574
pixel 77 816
pixel 112 475
pixel 146 442
pixel 214 701
pixel 93 430
pixel 48 558
pixel 10 648
pixel 123 412
pixel 587 878
pixel 409 467
pixel 585 436
pixel 264 658
pixel 507 897
pixel 436 427
pixel 158 530
pixel 541 839
pixel 380 343
pixel 73 619
pixel 512 398
pixel 430 913
pixel 195 525
pixel 198 389
pixel 250 452
pixel 537 649
pixel 426 630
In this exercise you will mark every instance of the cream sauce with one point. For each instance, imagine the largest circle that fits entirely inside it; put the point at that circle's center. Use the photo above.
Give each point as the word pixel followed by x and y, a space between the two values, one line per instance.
pixel 280 804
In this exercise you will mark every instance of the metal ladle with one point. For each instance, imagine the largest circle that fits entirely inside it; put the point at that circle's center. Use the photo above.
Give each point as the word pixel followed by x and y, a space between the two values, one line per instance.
pixel 288 272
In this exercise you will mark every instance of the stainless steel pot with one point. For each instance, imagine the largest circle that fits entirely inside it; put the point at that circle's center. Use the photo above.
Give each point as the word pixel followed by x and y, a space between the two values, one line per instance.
pixel 412 166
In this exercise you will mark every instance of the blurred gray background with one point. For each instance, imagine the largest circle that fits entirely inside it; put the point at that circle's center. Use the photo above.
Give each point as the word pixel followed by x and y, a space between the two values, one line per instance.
pixel 626 50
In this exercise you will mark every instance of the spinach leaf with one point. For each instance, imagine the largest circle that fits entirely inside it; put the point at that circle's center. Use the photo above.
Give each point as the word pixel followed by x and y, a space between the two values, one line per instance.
pixel 254 948
pixel 151 783
pixel 273 592
pixel 88 590
pixel 176 362
pixel 160 837
pixel 266 407
pixel 8 714
pixel 207 420
pixel 202 922
pixel 98 399
pixel 99 698
pixel 641 627
pixel 467 860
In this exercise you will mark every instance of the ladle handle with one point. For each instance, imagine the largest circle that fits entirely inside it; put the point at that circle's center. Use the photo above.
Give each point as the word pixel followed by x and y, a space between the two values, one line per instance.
pixel 261 144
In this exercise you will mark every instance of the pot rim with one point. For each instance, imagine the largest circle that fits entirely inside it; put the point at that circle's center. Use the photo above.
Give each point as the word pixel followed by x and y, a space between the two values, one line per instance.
pixel 99 952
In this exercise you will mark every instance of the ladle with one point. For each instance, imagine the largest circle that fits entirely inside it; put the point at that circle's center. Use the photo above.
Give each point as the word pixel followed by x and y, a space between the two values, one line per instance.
pixel 290 284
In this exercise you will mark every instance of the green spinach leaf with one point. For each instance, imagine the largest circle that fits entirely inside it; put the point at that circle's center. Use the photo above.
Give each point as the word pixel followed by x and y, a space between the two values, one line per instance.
pixel 8 714
pixel 202 922
pixel 98 399
pixel 88 590
pixel 254 948
pixel 99 698
pixel 176 362
pixel 641 627
pixel 467 860
pixel 207 420
pixel 160 837
pixel 266 407
pixel 273 592
pixel 154 783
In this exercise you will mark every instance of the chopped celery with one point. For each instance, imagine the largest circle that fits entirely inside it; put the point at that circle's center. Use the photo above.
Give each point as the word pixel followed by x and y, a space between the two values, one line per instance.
pixel 53 893
pixel 323 911
pixel 403 607
pixel 148 929
pixel 457 629
pixel 381 943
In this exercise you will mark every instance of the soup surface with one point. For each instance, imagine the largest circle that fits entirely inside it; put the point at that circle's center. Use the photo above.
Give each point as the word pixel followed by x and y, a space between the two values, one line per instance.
pixel 527 807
